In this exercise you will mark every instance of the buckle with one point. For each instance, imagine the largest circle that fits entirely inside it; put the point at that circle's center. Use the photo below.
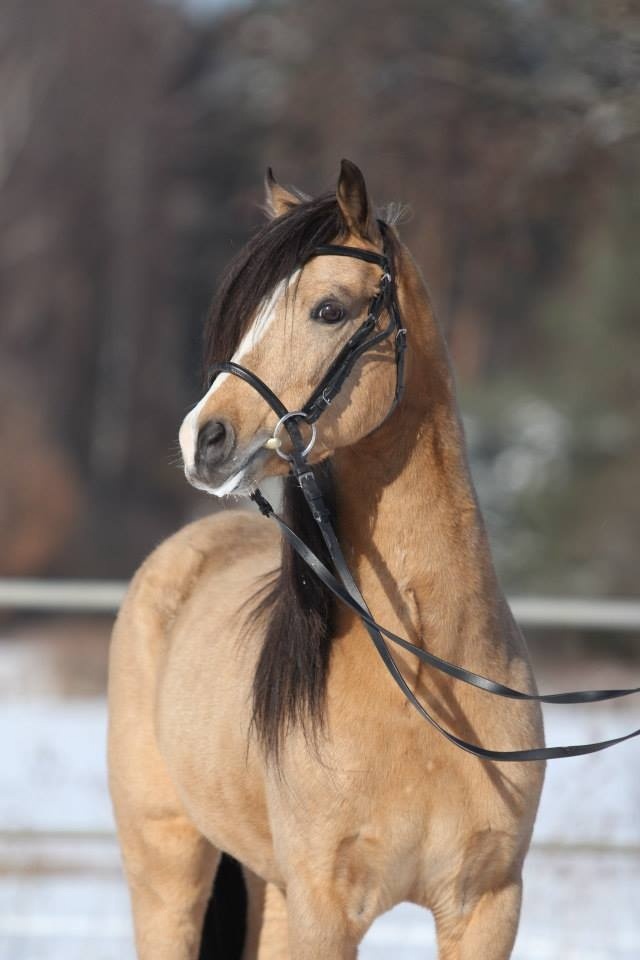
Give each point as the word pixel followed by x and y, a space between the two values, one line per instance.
pixel 262 503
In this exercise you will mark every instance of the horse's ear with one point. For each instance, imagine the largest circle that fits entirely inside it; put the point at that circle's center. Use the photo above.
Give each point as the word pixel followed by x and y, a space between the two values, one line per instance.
pixel 354 202
pixel 278 199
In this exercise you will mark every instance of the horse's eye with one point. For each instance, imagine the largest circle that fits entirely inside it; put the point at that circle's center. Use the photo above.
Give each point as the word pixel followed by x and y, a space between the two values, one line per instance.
pixel 329 312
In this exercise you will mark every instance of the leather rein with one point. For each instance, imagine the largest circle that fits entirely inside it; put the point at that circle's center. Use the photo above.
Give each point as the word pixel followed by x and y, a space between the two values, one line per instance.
pixel 340 581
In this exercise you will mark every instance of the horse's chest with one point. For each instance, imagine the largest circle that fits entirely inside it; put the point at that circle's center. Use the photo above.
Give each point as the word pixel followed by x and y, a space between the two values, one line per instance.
pixel 203 741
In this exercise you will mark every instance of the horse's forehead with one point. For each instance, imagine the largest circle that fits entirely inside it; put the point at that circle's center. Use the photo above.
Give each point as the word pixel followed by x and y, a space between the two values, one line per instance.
pixel 323 269
pixel 320 274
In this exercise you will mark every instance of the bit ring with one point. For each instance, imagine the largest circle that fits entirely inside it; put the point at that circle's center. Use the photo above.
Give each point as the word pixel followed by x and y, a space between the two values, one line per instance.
pixel 278 428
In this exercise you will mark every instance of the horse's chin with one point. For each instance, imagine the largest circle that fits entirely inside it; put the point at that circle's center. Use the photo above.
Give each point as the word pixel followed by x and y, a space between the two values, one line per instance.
pixel 235 486
pixel 238 484
pixel 234 480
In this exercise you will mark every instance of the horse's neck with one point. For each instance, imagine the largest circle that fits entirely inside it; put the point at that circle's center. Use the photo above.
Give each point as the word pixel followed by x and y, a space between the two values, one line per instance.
pixel 408 512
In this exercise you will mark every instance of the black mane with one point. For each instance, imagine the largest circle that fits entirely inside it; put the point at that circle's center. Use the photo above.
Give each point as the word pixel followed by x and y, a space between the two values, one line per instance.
pixel 290 681
pixel 291 675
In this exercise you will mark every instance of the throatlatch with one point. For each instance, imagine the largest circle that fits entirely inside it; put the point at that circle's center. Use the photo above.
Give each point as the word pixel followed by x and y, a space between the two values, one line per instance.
pixel 340 581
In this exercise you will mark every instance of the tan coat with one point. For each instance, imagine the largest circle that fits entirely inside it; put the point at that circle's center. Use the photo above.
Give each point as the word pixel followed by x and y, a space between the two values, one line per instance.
pixel 387 810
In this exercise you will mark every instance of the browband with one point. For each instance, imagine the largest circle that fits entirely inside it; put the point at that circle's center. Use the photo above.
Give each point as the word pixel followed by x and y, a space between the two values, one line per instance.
pixel 335 250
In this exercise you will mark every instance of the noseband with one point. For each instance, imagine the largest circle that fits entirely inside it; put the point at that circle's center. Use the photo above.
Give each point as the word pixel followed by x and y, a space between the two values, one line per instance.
pixel 340 582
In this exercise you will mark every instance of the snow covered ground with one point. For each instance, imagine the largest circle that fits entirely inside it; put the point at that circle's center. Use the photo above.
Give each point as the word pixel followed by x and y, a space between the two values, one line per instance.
pixel 61 891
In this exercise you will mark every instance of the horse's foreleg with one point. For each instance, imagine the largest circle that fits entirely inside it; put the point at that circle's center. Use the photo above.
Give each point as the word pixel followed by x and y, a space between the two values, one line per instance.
pixel 170 870
pixel 319 926
pixel 487 930
pixel 267 937
pixel 169 865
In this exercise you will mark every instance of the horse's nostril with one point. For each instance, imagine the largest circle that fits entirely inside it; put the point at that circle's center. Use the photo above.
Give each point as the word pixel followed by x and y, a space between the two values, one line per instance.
pixel 212 433
pixel 211 443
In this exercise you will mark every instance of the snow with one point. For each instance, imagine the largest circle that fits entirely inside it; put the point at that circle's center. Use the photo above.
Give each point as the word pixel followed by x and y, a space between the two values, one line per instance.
pixel 62 894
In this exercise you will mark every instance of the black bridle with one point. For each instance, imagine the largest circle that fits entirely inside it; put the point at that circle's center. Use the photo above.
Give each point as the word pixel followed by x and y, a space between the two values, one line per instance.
pixel 341 582
pixel 364 339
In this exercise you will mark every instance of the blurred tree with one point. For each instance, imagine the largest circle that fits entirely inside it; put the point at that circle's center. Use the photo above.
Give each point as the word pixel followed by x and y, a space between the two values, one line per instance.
pixel 132 146
pixel 106 192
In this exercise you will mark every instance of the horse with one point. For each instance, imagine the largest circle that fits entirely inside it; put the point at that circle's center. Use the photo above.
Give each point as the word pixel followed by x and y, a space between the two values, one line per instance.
pixel 249 713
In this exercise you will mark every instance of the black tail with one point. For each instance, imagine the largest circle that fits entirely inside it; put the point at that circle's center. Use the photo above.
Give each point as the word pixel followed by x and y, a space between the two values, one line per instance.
pixel 225 922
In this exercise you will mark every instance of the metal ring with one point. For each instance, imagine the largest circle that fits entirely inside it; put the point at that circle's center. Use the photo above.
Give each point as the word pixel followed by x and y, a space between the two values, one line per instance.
pixel 278 427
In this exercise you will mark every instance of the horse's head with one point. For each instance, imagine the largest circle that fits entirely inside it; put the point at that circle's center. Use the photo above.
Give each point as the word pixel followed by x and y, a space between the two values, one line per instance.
pixel 285 313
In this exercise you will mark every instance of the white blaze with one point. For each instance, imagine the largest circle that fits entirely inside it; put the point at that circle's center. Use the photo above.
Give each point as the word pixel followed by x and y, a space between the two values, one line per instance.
pixel 188 434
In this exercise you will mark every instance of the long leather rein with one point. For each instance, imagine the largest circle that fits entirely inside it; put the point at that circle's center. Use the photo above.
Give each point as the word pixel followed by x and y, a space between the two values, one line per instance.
pixel 340 582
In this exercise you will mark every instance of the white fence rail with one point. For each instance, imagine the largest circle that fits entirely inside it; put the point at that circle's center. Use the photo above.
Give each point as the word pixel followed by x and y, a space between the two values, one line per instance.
pixel 105 596
pixel 97 596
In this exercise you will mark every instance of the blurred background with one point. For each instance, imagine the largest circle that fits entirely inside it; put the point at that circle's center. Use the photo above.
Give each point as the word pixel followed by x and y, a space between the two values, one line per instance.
pixel 134 136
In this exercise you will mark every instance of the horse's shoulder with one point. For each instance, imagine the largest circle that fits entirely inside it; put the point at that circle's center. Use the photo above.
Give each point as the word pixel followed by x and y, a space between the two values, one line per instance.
pixel 217 535
pixel 222 531
pixel 171 571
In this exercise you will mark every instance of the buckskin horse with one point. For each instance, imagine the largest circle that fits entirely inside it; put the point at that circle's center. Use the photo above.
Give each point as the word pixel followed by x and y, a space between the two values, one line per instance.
pixel 255 706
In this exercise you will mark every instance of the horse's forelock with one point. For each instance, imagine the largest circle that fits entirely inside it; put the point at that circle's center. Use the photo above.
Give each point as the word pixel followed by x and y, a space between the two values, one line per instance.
pixel 271 255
